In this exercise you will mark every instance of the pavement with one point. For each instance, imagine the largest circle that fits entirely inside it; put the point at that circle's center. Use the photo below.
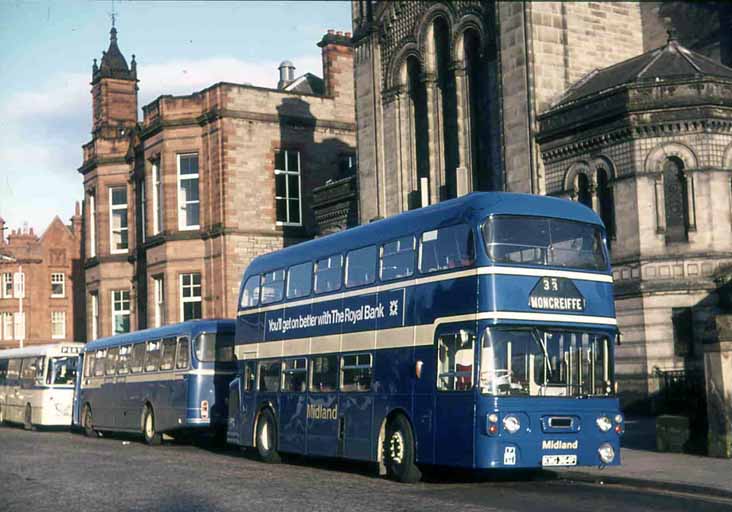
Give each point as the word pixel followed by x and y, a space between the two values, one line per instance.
pixel 641 465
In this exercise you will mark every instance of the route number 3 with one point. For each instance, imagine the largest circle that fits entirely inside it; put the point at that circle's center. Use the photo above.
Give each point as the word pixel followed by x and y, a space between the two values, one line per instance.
pixel 550 284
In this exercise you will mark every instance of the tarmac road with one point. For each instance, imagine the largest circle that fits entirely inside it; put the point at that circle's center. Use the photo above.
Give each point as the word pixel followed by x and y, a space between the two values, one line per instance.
pixel 60 471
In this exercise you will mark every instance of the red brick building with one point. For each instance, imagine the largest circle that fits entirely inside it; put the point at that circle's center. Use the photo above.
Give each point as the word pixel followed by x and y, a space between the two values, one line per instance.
pixel 50 307
pixel 177 205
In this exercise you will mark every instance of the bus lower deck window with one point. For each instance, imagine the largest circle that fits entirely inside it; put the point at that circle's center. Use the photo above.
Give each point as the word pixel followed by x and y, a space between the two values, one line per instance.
pixel 356 372
pixel 324 374
pixel 294 375
pixel 269 376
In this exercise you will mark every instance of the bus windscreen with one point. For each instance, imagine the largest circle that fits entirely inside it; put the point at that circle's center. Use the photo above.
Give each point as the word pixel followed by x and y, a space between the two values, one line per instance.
pixel 544 241
pixel 546 362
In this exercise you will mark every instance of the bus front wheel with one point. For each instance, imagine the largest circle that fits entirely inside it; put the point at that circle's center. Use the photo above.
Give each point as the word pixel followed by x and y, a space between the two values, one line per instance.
pixel 28 418
pixel 399 451
pixel 267 438
pixel 152 437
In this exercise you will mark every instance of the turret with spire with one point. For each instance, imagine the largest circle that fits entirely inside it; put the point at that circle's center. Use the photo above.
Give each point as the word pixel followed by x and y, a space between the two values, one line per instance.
pixel 116 106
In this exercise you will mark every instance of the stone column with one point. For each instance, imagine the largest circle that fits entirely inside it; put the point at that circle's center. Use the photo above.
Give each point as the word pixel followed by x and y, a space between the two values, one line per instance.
pixel 462 98
pixel 434 122
pixel 718 375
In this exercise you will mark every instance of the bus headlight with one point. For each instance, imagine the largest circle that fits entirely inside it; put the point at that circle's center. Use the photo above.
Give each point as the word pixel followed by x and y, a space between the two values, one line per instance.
pixel 512 424
pixel 618 418
pixel 604 423
pixel 606 452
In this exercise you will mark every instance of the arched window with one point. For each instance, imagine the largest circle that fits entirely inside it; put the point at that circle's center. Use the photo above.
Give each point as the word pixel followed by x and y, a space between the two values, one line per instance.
pixel 606 201
pixel 584 195
pixel 675 200
pixel 420 130
pixel 446 85
pixel 482 95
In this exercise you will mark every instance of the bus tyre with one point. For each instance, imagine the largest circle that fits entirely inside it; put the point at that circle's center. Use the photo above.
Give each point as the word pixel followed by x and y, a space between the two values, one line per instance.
pixel 88 422
pixel 28 418
pixel 399 451
pixel 152 437
pixel 267 438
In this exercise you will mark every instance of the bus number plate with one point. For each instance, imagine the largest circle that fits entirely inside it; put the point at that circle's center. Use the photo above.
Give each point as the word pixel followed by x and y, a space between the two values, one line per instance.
pixel 559 460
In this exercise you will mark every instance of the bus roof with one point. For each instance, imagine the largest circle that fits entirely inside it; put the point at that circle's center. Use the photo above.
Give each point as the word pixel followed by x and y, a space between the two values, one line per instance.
pixel 472 208
pixel 37 350
pixel 191 327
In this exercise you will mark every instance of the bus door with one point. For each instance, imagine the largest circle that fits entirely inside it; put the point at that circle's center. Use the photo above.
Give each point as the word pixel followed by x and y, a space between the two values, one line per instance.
pixel 293 406
pixel 356 403
pixel 247 403
pixel 454 398
pixel 322 406
pixel 76 410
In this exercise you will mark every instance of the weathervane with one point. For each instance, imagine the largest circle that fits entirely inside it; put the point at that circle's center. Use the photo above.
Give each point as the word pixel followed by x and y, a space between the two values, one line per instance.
pixel 113 14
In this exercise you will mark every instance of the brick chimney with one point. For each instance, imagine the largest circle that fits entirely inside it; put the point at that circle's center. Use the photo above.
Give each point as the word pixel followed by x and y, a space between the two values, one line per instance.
pixel 2 231
pixel 76 222
pixel 337 50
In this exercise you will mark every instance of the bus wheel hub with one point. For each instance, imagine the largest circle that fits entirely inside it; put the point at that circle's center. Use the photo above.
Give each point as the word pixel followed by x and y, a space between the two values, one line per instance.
pixel 396 447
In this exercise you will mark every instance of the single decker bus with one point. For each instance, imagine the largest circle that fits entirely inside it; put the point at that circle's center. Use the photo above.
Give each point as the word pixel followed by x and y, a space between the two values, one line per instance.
pixel 37 384
pixel 172 379
pixel 476 333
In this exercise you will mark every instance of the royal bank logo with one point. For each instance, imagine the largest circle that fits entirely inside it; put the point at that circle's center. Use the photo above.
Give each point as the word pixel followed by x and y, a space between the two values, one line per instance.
pixel 318 412
pixel 558 444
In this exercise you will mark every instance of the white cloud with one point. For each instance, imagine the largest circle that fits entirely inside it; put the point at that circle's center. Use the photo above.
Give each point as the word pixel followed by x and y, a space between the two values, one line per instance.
pixel 45 127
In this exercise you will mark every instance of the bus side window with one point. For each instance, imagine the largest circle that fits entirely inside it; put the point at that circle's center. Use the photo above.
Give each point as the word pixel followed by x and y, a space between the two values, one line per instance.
pixel 328 275
pixel 361 266
pixel 89 364
pixel 397 259
pixel 100 356
pixel 3 371
pixel 269 376
pixel 446 248
pixel 273 286
pixel 250 375
pixel 250 293
pixel 299 280
pixel 13 369
pixel 111 366
pixel 356 372
pixel 324 374
pixel 152 356
pixel 137 359
pixel 455 355
pixel 123 364
pixel 183 358
pixel 294 375
pixel 168 354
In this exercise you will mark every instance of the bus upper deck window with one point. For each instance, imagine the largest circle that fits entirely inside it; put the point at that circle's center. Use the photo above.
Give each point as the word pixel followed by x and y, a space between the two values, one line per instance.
pixel 361 266
pixel 397 258
pixel 328 274
pixel 250 293
pixel 446 248
pixel 273 286
pixel 299 280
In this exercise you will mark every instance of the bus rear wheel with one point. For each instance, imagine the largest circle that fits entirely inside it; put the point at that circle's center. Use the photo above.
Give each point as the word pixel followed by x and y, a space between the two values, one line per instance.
pixel 267 438
pixel 399 451
pixel 152 437
pixel 28 418
pixel 88 423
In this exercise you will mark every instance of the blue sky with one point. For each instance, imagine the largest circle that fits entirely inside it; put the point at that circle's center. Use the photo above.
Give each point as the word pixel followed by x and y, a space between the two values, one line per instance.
pixel 46 52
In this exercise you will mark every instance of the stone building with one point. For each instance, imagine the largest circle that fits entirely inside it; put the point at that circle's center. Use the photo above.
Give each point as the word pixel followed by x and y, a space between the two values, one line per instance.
pixel 50 306
pixel 179 203
pixel 526 97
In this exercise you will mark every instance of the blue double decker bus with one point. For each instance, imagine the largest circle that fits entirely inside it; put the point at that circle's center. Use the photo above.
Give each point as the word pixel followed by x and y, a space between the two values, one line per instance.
pixel 169 379
pixel 475 333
